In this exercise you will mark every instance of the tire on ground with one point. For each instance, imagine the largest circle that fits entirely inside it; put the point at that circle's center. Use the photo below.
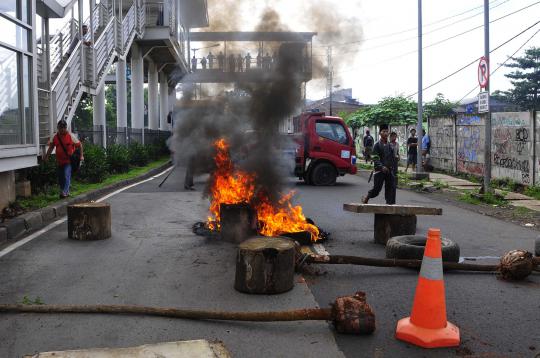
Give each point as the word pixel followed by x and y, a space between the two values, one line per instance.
pixel 537 246
pixel 323 174
pixel 411 247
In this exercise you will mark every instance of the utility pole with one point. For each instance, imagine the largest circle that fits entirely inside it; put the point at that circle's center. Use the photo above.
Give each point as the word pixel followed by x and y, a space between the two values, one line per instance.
pixel 329 77
pixel 420 107
pixel 487 147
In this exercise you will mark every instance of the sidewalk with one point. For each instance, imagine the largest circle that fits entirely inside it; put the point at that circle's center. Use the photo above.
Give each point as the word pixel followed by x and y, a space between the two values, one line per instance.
pixel 515 199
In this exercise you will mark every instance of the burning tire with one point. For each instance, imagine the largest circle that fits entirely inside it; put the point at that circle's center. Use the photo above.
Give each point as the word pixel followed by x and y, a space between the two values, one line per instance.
pixel 323 174
pixel 411 247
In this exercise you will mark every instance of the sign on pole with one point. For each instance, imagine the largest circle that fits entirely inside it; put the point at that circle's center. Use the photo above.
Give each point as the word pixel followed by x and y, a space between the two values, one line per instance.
pixel 483 102
pixel 483 72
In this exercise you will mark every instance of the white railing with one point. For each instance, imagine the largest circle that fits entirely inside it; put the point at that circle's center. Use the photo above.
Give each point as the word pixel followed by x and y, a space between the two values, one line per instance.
pixel 128 26
pixel 141 18
pixel 97 19
pixel 66 86
pixel 103 50
pixel 61 42
pixel 172 19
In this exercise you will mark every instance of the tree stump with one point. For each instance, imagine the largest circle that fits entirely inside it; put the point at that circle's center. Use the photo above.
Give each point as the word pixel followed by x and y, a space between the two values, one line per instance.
pixel 387 226
pixel 265 265
pixel 238 222
pixel 89 221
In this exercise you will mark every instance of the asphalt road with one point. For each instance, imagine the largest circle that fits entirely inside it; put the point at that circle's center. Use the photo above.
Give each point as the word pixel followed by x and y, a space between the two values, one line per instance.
pixel 154 259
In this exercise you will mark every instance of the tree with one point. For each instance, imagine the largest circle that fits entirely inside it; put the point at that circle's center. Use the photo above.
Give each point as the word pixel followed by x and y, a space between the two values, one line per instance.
pixel 525 79
pixel 439 107
pixel 82 120
pixel 391 110
pixel 110 105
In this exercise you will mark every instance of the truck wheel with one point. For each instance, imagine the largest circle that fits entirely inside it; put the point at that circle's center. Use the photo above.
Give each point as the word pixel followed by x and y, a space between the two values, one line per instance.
pixel 323 174
pixel 412 247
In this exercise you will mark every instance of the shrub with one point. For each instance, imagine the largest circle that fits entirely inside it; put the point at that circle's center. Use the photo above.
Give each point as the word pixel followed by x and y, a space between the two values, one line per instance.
pixel 94 169
pixel 43 176
pixel 118 158
pixel 138 154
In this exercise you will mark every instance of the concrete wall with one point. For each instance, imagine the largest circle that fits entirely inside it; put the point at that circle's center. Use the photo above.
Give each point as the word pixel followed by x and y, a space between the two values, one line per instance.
pixel 443 143
pixel 7 188
pixel 470 139
pixel 512 146
pixel 458 145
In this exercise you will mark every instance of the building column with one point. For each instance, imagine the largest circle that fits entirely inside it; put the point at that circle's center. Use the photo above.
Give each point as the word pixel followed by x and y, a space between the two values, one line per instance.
pixel 153 113
pixel 99 121
pixel 121 94
pixel 163 101
pixel 137 87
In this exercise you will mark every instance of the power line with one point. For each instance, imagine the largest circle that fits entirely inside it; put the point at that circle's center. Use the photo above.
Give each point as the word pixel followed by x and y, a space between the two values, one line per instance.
pixel 502 64
pixel 446 39
pixel 476 59
pixel 415 28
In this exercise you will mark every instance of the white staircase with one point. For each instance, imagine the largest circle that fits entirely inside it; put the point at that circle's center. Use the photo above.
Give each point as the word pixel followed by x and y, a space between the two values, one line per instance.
pixel 76 67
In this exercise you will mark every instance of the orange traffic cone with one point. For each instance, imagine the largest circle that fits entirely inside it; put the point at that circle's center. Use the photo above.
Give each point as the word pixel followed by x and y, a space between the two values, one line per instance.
pixel 427 326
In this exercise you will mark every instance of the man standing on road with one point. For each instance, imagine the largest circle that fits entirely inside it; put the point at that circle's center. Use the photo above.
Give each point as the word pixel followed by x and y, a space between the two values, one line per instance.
pixel 368 146
pixel 426 147
pixel 383 161
pixel 412 150
pixel 65 143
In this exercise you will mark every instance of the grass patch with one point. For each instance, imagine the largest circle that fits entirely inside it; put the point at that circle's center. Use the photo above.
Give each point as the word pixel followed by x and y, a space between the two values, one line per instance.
pixel 487 198
pixel 533 191
pixel 439 184
pixel 50 196
pixel 365 166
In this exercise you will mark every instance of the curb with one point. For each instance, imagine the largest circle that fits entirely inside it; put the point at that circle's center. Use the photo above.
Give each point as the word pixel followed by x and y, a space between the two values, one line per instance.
pixel 17 227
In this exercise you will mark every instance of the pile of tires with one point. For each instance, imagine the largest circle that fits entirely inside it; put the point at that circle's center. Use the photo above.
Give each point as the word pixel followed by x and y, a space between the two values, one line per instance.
pixel 411 247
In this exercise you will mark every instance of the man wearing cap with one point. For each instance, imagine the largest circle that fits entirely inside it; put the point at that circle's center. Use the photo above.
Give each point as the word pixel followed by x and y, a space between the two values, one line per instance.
pixel 384 163
pixel 65 143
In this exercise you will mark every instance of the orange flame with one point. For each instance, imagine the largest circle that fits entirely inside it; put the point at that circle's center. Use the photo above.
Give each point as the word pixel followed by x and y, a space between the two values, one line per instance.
pixel 233 186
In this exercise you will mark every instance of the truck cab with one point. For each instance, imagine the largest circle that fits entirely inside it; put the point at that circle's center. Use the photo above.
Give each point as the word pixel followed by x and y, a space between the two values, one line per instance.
pixel 325 148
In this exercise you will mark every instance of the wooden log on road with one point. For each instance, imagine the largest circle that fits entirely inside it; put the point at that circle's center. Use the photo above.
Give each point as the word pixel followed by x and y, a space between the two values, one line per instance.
pixel 265 265
pixel 238 222
pixel 89 221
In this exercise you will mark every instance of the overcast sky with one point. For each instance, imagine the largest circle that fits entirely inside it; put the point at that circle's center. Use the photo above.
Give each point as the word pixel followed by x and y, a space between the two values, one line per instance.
pixel 381 65
pixel 382 58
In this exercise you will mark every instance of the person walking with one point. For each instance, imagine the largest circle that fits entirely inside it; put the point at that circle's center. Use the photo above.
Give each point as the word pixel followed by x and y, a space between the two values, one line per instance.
pixel 383 162
pixel 368 145
pixel 203 63
pixel 426 148
pixel 395 164
pixel 412 150
pixel 65 144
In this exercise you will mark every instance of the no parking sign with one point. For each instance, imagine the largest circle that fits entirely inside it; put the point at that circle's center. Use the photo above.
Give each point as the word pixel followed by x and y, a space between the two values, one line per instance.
pixel 483 72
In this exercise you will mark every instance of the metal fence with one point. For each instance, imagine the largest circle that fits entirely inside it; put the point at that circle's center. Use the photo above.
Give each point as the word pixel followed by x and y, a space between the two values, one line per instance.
pixel 117 135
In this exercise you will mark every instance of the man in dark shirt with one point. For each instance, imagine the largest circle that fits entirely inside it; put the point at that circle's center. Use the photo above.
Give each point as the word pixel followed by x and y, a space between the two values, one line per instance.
pixel 412 150
pixel 368 146
pixel 384 162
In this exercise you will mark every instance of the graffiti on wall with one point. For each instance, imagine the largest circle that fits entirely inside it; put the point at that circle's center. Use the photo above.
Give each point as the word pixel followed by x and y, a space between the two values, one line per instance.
pixel 511 140
pixel 441 131
pixel 470 144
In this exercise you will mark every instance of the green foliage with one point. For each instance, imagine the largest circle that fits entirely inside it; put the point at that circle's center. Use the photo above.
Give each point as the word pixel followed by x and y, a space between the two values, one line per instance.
pixel 138 154
pixel 117 158
pixel 507 184
pixel 83 115
pixel 94 168
pixel 439 107
pixel 28 301
pixel 533 191
pixel 110 105
pixel 439 184
pixel 391 110
pixel 43 175
pixel 487 198
pixel 526 80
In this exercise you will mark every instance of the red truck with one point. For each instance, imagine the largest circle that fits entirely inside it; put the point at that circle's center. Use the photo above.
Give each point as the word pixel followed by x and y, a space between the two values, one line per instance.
pixel 325 148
